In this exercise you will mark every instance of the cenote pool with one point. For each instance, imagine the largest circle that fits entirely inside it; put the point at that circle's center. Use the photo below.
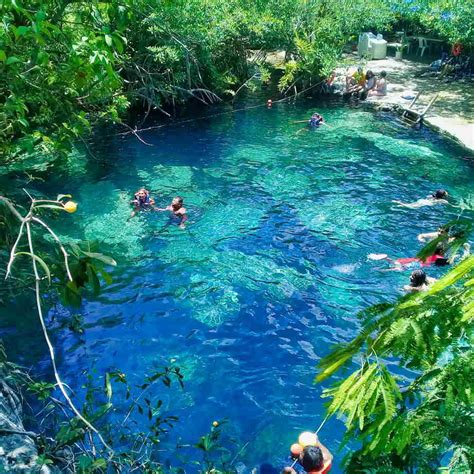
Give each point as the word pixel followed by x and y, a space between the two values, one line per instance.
pixel 269 273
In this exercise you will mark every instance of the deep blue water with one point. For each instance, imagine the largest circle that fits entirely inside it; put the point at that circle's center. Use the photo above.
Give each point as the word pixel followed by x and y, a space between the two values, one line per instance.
pixel 270 272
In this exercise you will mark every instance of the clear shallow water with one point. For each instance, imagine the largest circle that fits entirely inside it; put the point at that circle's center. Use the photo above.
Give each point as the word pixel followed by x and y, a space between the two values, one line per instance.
pixel 270 271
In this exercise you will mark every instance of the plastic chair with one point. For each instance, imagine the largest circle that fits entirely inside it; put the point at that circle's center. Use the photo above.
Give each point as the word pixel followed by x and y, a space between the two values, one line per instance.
pixel 422 45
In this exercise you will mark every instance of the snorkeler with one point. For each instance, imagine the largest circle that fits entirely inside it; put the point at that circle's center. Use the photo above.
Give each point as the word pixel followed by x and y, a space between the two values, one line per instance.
pixel 437 197
pixel 178 210
pixel 419 281
pixel 141 201
pixel 315 459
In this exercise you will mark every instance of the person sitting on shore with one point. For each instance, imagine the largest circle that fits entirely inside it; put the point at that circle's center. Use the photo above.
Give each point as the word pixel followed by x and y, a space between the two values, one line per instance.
pixel 315 459
pixel 380 87
pixel 370 83
pixel 141 202
pixel 328 84
pixel 178 210
pixel 419 281
pixel 438 197
pixel 355 82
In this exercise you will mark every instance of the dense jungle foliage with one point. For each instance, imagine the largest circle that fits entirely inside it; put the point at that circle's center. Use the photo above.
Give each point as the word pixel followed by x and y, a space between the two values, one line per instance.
pixel 68 65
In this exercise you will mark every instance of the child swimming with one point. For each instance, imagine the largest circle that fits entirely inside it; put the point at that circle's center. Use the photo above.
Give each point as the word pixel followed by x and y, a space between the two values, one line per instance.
pixel 141 201
pixel 178 210
pixel 438 197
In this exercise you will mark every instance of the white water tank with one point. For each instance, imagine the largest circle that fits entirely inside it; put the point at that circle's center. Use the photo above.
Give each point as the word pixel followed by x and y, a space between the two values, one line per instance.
pixel 371 46
pixel 379 48
pixel 364 43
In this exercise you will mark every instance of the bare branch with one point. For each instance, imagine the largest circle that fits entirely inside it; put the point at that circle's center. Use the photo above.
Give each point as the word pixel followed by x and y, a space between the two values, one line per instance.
pixel 50 346
pixel 56 238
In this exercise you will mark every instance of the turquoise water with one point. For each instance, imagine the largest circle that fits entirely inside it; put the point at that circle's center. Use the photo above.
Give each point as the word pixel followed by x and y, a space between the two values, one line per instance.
pixel 270 271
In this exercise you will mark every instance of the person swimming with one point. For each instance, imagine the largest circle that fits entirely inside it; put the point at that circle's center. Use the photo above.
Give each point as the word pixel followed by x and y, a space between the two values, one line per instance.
pixel 316 120
pixel 438 258
pixel 441 232
pixel 438 197
pixel 177 209
pixel 419 281
pixel 142 201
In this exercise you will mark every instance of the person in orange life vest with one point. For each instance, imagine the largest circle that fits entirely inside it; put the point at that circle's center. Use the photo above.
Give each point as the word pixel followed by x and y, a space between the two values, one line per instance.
pixel 315 459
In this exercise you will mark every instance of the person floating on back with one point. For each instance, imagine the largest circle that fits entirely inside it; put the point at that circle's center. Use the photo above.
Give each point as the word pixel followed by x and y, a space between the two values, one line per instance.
pixel 438 197
pixel 142 201
pixel 178 210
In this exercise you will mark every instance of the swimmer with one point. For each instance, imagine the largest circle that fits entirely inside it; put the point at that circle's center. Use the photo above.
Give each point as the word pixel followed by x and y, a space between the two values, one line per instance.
pixel 314 459
pixel 438 258
pixel 419 281
pixel 176 207
pixel 316 120
pixel 437 197
pixel 141 201
pixel 429 236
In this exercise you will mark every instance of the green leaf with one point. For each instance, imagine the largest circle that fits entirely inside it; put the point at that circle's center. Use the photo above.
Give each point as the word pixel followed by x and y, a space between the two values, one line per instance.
pixel 108 386
pixel 71 295
pixel 108 40
pixel 62 196
pixel 21 31
pixel 93 280
pixel 40 261
pixel 12 60
pixel 106 276
pixel 103 258
pixel 3 56
pixel 99 463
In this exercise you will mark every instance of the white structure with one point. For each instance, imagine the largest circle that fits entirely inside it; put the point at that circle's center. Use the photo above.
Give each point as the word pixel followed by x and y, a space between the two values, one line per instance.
pixel 371 46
